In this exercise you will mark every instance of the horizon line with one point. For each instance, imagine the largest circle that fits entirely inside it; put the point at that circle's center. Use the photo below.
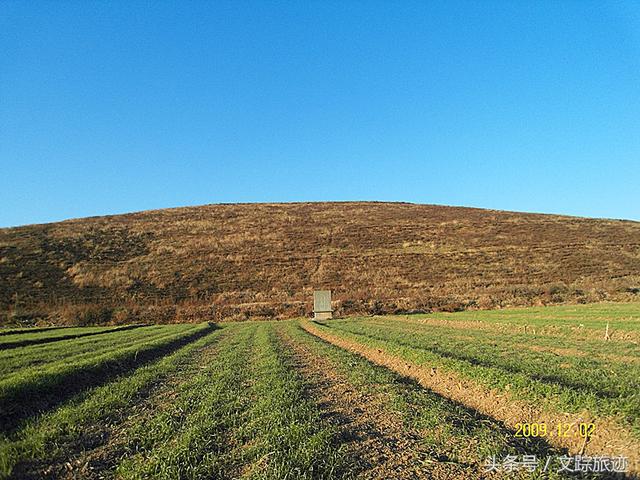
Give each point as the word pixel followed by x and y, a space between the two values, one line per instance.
pixel 301 202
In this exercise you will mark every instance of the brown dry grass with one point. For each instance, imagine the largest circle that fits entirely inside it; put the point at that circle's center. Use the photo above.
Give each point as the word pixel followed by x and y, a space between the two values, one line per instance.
pixel 263 260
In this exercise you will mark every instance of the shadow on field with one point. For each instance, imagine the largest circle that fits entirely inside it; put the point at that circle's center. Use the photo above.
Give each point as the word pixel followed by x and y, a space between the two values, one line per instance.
pixel 471 421
pixel 38 341
pixel 23 404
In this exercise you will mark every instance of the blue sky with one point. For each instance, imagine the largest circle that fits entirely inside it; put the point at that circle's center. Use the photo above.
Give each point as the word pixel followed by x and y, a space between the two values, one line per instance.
pixel 111 107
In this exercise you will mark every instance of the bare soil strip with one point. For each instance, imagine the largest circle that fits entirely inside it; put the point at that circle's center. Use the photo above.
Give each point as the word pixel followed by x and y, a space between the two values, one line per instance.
pixel 609 438
pixel 375 438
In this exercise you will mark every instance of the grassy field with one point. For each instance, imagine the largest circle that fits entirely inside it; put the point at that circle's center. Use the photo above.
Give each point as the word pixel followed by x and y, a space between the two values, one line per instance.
pixel 421 396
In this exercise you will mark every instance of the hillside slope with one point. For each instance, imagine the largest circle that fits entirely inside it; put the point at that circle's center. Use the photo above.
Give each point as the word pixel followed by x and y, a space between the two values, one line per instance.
pixel 258 260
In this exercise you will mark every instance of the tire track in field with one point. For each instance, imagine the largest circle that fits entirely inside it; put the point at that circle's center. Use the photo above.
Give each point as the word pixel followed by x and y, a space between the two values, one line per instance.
pixel 375 439
pixel 610 439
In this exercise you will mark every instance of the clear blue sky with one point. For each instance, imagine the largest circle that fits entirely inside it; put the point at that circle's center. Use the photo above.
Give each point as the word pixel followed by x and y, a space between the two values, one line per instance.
pixel 109 107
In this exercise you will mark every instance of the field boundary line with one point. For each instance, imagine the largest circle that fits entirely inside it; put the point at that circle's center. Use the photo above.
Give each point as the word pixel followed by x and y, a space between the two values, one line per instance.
pixel 609 439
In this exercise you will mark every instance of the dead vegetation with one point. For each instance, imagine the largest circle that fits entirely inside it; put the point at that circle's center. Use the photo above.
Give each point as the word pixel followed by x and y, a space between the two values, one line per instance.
pixel 263 260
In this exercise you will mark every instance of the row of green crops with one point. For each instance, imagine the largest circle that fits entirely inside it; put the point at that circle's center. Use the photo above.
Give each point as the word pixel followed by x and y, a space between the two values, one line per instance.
pixel 624 316
pixel 51 435
pixel 243 416
pixel 236 400
pixel 598 350
pixel 18 360
pixel 48 336
pixel 561 382
pixel 450 431
pixel 229 404
pixel 23 394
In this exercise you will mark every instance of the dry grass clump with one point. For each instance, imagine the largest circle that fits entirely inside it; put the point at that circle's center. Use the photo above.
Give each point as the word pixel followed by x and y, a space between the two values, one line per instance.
pixel 263 260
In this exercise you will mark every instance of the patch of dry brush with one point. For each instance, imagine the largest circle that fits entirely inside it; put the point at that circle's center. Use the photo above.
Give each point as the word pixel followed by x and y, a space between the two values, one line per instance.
pixel 263 260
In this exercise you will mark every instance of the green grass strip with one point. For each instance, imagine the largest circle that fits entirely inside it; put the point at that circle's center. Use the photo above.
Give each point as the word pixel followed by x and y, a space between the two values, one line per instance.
pixel 21 396
pixel 191 438
pixel 534 378
pixel 23 340
pixel 582 372
pixel 625 316
pixel 20 359
pixel 47 436
pixel 287 438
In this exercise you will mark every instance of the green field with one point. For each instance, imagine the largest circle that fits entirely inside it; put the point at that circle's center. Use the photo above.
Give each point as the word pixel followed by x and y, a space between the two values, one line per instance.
pixel 422 396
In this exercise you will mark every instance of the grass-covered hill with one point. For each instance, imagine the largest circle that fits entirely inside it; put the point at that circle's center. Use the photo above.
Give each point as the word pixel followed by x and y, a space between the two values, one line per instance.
pixel 262 260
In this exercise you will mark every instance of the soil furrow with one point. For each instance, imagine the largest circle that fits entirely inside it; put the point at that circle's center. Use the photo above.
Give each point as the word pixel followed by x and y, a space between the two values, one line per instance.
pixel 610 439
pixel 374 437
